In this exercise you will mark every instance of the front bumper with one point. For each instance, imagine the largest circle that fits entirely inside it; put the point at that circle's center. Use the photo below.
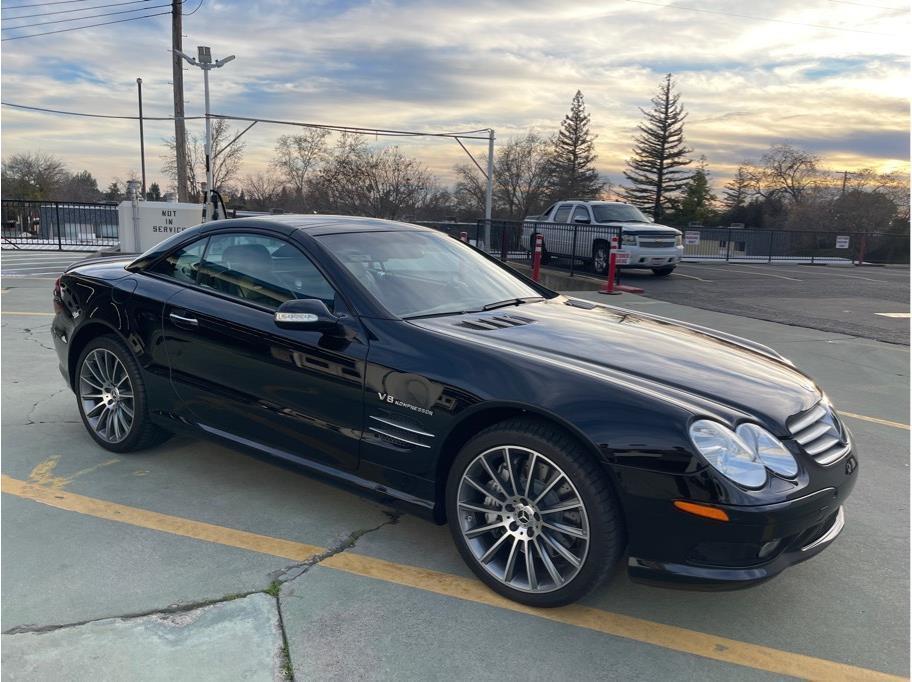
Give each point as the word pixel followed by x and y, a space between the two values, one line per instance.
pixel 646 257
pixel 756 544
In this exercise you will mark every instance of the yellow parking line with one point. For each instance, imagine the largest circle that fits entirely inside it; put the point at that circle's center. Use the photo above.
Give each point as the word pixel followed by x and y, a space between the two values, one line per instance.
pixel 24 312
pixel 875 420
pixel 614 624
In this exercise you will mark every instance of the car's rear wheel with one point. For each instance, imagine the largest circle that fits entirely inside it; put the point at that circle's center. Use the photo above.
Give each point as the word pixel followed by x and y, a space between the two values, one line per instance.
pixel 111 396
pixel 663 272
pixel 600 257
pixel 532 514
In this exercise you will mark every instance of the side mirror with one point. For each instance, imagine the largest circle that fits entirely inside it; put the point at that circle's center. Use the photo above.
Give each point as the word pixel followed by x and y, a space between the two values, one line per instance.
pixel 650 218
pixel 306 314
pixel 581 221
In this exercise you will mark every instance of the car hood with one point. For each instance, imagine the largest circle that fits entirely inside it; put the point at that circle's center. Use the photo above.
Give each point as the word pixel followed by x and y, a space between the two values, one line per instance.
pixel 669 359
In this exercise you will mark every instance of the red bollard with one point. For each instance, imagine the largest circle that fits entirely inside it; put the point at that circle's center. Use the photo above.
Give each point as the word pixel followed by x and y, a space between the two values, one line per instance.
pixel 536 258
pixel 608 286
pixel 464 237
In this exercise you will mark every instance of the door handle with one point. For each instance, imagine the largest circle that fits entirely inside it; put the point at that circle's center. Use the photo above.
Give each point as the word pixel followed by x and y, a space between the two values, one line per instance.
pixel 183 321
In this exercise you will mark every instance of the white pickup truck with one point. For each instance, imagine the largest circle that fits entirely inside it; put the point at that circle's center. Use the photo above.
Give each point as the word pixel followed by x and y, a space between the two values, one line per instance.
pixel 645 244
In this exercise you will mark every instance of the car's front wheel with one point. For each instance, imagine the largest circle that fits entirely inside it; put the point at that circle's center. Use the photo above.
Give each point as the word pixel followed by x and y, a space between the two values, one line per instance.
pixel 532 514
pixel 663 272
pixel 111 396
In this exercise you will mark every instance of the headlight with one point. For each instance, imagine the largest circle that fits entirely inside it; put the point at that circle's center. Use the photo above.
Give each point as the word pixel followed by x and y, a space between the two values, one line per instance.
pixel 743 455
pixel 628 240
pixel 769 449
pixel 679 240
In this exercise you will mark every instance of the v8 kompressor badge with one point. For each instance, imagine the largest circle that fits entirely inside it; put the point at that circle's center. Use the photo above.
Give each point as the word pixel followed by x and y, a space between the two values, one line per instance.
pixel 392 400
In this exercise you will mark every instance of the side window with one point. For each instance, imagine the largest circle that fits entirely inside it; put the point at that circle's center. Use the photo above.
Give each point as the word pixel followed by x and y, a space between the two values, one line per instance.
pixel 183 264
pixel 581 213
pixel 562 215
pixel 544 214
pixel 262 270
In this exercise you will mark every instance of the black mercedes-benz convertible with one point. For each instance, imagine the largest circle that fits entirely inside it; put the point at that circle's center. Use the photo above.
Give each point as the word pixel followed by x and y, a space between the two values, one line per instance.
pixel 553 435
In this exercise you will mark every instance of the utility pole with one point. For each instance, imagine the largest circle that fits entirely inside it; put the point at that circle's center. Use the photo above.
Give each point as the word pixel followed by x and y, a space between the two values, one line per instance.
pixel 204 61
pixel 180 132
pixel 142 141
pixel 489 191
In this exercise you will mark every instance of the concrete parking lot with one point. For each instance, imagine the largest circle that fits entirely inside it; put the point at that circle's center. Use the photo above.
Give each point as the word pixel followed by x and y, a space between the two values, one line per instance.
pixel 194 560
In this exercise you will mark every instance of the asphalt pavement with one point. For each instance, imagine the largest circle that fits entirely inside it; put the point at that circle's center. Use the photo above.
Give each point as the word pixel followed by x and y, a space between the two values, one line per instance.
pixel 193 560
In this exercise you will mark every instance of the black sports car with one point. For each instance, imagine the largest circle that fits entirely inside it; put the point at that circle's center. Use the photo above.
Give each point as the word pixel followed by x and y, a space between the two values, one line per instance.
pixel 552 434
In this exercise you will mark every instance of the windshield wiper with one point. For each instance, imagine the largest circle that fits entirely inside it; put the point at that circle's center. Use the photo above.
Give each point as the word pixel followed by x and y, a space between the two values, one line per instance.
pixel 513 301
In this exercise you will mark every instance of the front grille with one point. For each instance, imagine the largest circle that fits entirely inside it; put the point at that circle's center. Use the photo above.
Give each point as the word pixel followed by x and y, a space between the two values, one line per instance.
pixel 820 434
pixel 656 243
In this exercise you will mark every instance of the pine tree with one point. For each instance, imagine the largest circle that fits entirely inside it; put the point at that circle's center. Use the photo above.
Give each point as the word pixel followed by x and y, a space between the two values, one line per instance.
pixel 573 173
pixel 697 198
pixel 737 189
pixel 154 193
pixel 659 153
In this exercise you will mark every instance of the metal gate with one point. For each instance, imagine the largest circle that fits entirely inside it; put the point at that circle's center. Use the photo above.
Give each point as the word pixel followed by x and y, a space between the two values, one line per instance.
pixel 58 225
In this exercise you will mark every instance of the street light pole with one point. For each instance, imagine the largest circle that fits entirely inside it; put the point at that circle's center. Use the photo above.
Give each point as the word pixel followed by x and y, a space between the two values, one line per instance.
pixel 204 62
pixel 489 191
pixel 142 142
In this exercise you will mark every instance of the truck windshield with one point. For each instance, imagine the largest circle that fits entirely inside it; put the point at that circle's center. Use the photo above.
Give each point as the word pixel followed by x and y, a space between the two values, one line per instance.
pixel 605 213
pixel 417 274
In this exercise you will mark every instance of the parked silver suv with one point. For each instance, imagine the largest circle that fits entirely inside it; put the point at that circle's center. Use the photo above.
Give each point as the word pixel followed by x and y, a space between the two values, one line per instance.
pixel 643 243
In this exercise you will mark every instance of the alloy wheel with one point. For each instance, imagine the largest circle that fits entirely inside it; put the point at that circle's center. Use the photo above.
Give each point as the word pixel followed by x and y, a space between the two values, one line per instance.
pixel 106 395
pixel 523 519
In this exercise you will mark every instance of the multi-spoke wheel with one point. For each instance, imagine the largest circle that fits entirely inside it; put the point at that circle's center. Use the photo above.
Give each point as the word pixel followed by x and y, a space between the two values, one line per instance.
pixel 111 397
pixel 532 513
pixel 106 395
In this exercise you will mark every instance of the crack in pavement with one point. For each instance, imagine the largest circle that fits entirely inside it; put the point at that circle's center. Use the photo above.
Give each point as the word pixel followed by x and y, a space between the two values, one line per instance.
pixel 30 335
pixel 28 418
pixel 279 578
pixel 295 571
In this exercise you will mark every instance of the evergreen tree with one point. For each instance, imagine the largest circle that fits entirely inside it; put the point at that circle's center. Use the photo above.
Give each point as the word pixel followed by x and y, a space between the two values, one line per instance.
pixel 737 190
pixel 696 204
pixel 573 173
pixel 113 192
pixel 659 153
pixel 154 193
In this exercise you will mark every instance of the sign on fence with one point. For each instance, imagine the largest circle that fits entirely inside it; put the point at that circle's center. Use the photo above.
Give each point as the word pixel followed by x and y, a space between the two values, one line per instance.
pixel 691 238
pixel 842 241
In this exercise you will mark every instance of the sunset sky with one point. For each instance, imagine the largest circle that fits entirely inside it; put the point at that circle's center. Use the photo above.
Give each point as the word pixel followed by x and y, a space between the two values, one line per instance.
pixel 828 75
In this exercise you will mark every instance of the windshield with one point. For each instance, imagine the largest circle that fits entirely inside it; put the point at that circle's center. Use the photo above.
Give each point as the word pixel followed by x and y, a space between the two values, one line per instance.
pixel 605 213
pixel 415 274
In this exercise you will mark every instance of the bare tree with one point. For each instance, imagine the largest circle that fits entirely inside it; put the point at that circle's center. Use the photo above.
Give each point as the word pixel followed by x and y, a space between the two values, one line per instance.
pixel 786 172
pixel 261 190
pixel 298 156
pixel 523 174
pixel 226 161
pixel 33 176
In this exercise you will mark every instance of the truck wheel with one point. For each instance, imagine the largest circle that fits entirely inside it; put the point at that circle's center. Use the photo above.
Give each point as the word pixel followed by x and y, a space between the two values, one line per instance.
pixel 663 272
pixel 532 514
pixel 600 257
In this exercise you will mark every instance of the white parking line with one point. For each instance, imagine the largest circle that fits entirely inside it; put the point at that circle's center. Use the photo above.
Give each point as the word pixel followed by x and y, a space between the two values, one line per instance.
pixel 899 315
pixel 699 279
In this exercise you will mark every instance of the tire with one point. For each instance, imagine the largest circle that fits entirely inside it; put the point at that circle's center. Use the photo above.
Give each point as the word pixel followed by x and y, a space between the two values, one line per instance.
pixel 108 386
pixel 495 530
pixel 600 257
pixel 663 272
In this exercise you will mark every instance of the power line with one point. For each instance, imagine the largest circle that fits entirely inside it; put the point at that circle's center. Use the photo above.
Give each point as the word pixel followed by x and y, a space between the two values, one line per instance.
pixel 383 132
pixel 80 113
pixel 78 28
pixel 89 16
pixel 70 11
pixel 196 9
pixel 42 4
pixel 756 18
